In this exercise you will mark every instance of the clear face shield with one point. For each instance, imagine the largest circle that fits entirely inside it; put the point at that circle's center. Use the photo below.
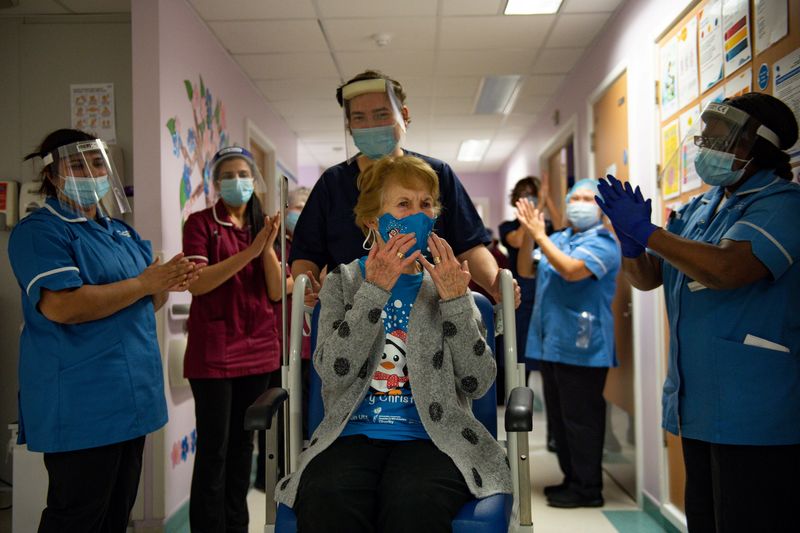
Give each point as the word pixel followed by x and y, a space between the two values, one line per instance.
pixel 716 149
pixel 373 119
pixel 85 176
pixel 237 177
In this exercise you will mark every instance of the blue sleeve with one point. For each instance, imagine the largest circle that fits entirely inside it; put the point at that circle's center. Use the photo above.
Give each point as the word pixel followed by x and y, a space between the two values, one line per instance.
pixel 600 254
pixel 770 225
pixel 309 237
pixel 42 257
pixel 463 228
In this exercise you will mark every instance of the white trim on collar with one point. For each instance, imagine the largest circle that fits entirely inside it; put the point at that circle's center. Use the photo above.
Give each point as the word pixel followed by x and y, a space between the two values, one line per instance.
pixel 216 218
pixel 748 191
pixel 62 217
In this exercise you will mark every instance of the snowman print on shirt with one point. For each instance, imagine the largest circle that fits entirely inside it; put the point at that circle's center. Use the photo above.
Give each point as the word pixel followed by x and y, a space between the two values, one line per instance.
pixel 392 373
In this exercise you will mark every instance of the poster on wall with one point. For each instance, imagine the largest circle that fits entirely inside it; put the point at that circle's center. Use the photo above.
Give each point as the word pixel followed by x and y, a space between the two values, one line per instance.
pixel 688 89
pixel 786 73
pixel 739 84
pixel 709 37
pixel 771 22
pixel 689 124
pixel 670 142
pixel 669 78
pixel 717 96
pixel 736 29
pixel 92 110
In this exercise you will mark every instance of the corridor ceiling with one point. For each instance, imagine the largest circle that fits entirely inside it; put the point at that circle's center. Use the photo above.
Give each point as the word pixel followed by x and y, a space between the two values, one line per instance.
pixel 296 52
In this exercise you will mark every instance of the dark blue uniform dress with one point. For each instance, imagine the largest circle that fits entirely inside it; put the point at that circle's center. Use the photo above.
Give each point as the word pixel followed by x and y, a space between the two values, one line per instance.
pixel 327 235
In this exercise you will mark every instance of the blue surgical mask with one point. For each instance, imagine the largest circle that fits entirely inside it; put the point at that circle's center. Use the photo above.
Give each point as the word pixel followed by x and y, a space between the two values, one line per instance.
pixel 86 191
pixel 236 191
pixel 291 220
pixel 375 142
pixel 419 224
pixel 532 199
pixel 583 215
pixel 715 167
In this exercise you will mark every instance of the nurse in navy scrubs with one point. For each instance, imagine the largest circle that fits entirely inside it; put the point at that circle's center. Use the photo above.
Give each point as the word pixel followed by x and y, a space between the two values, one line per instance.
pixel 729 261
pixel 90 379
pixel 233 351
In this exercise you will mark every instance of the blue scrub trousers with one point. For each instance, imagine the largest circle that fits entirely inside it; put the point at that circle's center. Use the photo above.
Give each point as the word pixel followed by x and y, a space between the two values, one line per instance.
pixel 92 490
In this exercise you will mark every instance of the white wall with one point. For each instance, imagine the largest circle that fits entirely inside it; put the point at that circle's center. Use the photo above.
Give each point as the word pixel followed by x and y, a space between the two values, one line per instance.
pixel 628 40
pixel 39 58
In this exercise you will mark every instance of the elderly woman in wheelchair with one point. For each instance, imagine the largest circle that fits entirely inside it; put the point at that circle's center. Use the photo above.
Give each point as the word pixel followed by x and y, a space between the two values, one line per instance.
pixel 401 350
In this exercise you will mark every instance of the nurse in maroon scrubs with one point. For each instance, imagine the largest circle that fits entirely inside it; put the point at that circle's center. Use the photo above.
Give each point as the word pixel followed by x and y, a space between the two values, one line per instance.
pixel 233 351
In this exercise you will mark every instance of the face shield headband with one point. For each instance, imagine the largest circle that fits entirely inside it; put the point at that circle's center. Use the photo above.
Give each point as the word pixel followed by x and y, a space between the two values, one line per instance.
pixel 373 118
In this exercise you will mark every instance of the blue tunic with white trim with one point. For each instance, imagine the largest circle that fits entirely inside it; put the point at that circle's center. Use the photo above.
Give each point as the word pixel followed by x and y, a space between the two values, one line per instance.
pixel 734 362
pixel 94 383
pixel 572 321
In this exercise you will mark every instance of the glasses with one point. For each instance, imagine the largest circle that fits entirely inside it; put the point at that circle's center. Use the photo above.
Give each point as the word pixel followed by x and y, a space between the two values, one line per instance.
pixel 712 143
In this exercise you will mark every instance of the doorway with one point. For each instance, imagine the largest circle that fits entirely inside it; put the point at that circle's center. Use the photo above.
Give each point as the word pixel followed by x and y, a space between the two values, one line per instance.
pixel 609 152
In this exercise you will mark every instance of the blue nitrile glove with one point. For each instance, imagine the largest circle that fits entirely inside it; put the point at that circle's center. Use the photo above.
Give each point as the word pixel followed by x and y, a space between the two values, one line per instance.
pixel 627 209
pixel 630 248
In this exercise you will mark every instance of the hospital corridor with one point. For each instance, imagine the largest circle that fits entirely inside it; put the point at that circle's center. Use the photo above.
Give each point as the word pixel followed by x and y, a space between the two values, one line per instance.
pixel 416 266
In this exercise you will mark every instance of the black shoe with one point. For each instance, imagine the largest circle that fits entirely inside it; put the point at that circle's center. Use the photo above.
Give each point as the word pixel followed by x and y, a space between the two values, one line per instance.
pixel 569 499
pixel 552 489
pixel 551 445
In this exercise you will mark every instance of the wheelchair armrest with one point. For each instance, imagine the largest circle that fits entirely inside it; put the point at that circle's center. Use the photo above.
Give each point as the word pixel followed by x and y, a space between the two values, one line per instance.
pixel 261 412
pixel 519 411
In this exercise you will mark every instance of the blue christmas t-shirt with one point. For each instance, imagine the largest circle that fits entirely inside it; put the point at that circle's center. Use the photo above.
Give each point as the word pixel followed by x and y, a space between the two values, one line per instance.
pixel 388 410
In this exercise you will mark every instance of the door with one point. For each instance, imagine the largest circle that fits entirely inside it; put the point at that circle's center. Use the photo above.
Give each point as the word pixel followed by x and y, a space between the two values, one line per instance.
pixel 609 142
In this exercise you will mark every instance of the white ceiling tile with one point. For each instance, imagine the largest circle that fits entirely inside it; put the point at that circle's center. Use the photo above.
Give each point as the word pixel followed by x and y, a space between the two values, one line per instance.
pixel 483 62
pixel 467 123
pixel 253 9
pixel 576 30
pixel 446 151
pixel 269 36
pixel 311 65
pixel 498 32
pixel 465 166
pixel 405 33
pixel 317 88
pixel 453 106
pixel 472 7
pixel 530 104
pixel 417 87
pixel 309 125
pixel 317 136
pixel 308 108
pixel 542 85
pixel 501 149
pixel 589 6
pixel 396 65
pixel 375 8
pixel 458 86
pixel 557 60
pixel 327 154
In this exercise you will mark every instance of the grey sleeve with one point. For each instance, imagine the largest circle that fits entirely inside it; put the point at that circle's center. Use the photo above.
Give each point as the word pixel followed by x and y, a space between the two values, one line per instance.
pixel 346 334
pixel 464 336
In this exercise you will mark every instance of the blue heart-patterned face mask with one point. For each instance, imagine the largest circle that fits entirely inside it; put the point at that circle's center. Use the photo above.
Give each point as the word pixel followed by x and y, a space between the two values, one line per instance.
pixel 419 224
pixel 375 142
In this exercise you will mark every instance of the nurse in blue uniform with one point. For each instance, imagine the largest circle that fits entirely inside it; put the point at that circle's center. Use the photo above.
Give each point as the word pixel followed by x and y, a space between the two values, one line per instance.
pixel 728 261
pixel 572 334
pixel 90 379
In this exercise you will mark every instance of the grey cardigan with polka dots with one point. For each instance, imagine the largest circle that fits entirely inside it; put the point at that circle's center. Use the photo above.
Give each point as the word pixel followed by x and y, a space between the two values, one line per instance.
pixel 448 362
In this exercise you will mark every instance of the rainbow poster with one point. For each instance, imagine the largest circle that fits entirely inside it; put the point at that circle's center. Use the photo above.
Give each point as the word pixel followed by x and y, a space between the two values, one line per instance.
pixel 736 34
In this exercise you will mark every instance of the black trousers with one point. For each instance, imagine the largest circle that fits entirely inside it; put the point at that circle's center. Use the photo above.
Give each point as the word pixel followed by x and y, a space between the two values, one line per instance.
pixel 92 490
pixel 576 419
pixel 732 488
pixel 361 485
pixel 221 476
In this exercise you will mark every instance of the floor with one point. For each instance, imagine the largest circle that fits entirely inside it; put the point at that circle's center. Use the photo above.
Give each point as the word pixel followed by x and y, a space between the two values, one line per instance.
pixel 619 515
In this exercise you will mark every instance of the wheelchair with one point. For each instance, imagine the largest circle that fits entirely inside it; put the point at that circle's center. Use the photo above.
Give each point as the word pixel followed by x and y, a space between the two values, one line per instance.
pixel 499 513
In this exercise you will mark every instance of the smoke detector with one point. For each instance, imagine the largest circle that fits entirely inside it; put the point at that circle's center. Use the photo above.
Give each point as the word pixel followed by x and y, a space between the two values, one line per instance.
pixel 382 39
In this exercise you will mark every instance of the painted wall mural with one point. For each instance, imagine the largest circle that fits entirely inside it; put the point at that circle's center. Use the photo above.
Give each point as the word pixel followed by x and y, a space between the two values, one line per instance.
pixel 182 447
pixel 207 134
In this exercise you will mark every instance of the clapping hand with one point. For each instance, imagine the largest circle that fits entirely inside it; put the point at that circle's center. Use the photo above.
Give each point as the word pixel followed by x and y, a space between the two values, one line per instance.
pixel 531 219
pixel 628 211
pixel 450 277
pixel 174 275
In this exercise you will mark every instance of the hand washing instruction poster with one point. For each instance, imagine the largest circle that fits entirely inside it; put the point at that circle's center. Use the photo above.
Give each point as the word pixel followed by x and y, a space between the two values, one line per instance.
pixel 92 110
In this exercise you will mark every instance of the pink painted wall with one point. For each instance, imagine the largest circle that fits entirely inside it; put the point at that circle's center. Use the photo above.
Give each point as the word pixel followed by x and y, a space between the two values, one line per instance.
pixel 628 40
pixel 171 44
pixel 488 185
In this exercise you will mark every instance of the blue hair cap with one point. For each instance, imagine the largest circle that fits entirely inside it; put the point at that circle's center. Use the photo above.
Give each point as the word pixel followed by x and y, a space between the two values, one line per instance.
pixel 585 183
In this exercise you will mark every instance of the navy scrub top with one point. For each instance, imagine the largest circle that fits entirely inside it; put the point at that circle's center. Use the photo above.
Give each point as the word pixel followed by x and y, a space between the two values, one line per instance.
pixel 94 383
pixel 734 363
pixel 327 234
pixel 572 321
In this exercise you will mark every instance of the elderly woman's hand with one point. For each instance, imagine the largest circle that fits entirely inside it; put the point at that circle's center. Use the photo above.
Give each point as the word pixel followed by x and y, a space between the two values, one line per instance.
pixel 386 262
pixel 531 219
pixel 450 277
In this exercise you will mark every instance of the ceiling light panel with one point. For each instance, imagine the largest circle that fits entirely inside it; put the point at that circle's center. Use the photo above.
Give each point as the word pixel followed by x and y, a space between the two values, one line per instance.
pixel 497 95
pixel 473 149
pixel 531 7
